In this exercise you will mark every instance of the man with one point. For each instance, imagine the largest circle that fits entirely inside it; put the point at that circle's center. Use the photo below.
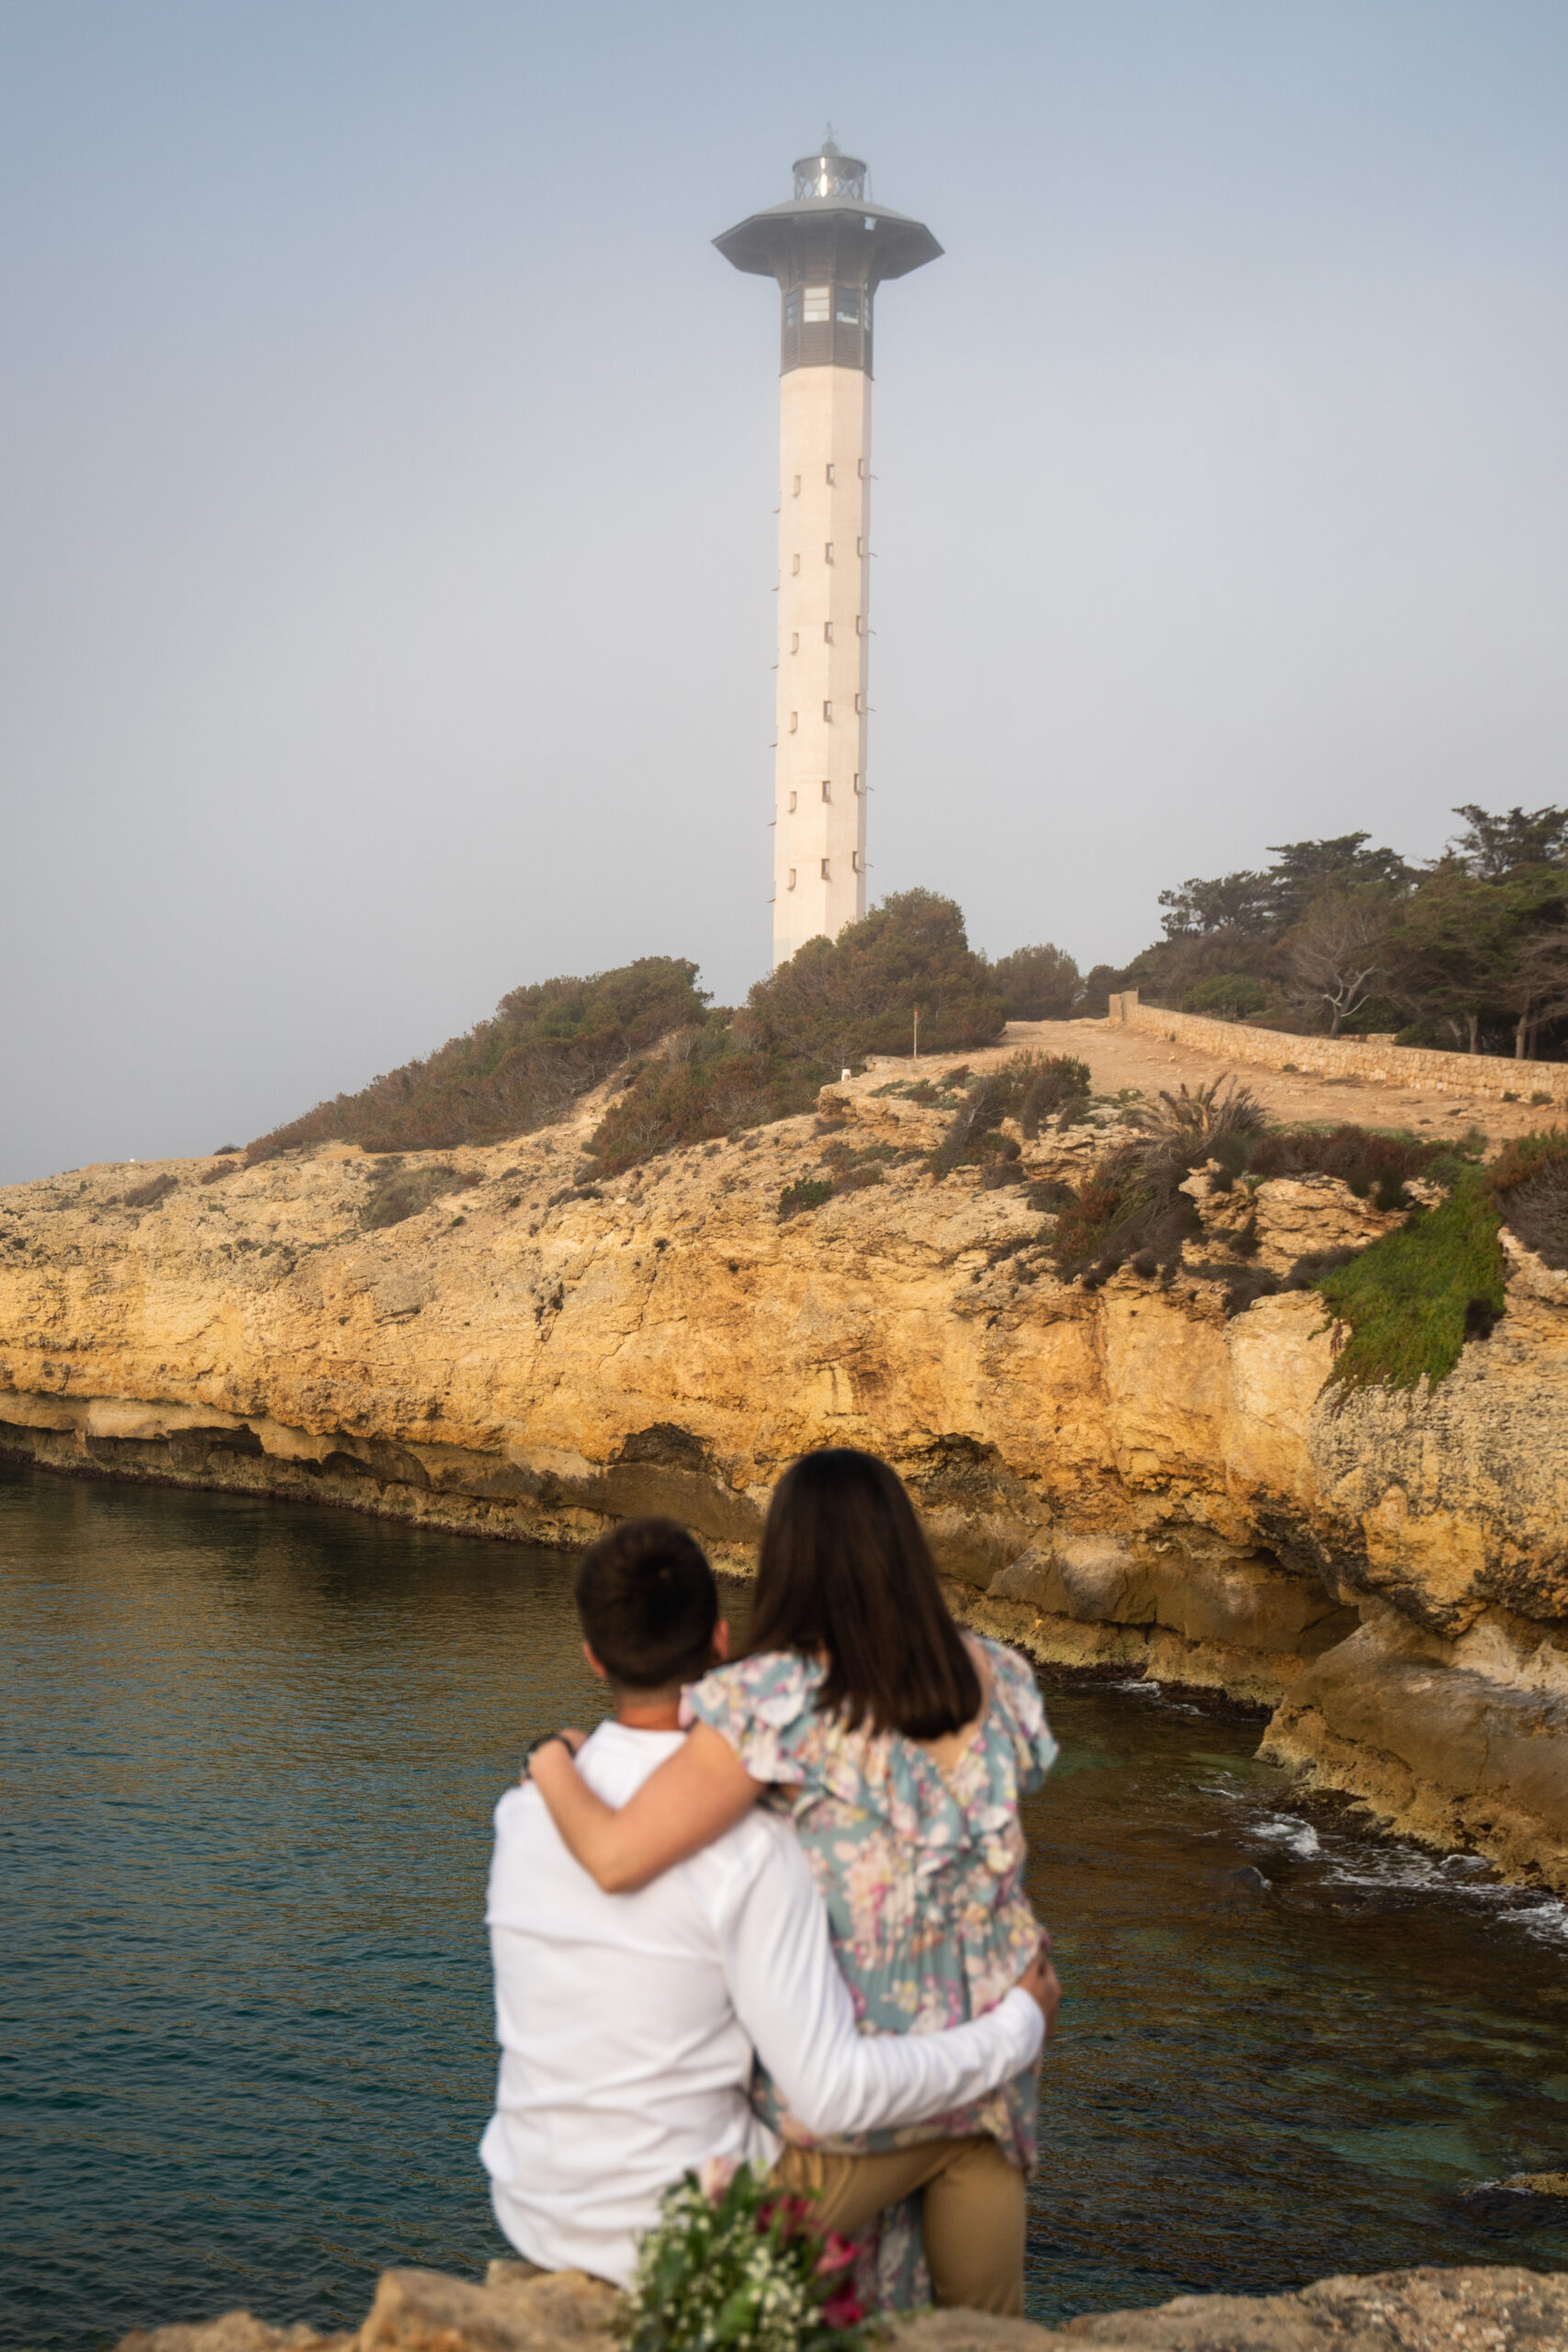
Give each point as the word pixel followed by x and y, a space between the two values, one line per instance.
pixel 629 2023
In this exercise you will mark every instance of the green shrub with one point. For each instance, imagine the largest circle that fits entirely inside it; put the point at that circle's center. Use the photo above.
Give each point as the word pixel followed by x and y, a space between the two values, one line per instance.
pixel 1056 1083
pixel 1412 1298
pixel 722 1080
pixel 1039 984
pixel 1027 1086
pixel 546 1046
pixel 1115 1212
pixel 397 1192
pixel 1529 1184
pixel 1133 1200
pixel 839 999
pixel 1099 983
pixel 989 1099
pixel 1226 996
pixel 149 1196
pixel 833 1003
pixel 1369 1162
pixel 808 1193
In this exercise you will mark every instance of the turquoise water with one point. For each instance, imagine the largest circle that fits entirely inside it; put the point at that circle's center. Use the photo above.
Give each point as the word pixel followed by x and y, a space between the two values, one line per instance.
pixel 249 1754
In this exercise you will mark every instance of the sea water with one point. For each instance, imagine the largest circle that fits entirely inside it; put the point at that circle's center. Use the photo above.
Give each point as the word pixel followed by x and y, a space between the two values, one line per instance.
pixel 250 1754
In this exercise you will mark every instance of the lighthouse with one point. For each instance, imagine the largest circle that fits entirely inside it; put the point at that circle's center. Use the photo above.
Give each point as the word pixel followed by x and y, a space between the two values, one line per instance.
pixel 830 249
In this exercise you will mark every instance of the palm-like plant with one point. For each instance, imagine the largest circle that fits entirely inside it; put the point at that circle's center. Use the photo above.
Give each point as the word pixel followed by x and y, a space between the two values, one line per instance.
pixel 1204 1115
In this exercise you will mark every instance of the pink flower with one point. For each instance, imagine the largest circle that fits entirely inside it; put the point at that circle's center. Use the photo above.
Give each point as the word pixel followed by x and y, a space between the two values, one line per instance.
pixel 792 2213
pixel 838 2254
pixel 842 2310
pixel 713 2177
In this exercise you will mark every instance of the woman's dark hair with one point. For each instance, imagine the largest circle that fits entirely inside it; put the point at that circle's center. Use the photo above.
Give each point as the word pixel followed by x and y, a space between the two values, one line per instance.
pixel 846 1570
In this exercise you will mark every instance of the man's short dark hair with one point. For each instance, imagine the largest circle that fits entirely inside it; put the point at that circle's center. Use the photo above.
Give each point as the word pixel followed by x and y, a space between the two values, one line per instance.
pixel 647 1604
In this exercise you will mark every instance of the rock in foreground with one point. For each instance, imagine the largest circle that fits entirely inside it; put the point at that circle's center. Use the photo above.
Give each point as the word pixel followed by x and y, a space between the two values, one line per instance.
pixel 1482 2309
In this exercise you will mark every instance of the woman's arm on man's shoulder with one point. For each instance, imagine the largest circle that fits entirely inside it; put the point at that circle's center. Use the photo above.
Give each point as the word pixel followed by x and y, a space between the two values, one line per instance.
pixel 693 1797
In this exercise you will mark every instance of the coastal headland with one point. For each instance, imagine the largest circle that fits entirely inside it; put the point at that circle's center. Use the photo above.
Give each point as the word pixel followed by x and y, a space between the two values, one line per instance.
pixel 1135 1474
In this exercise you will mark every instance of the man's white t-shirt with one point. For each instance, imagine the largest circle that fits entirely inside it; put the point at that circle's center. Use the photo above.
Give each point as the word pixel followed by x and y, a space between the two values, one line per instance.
pixel 628 2023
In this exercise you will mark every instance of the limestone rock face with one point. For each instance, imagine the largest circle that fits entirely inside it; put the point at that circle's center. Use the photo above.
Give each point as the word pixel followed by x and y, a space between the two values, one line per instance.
pixel 1287 1217
pixel 1396 2310
pixel 516 2309
pixel 1459 1755
pixel 519 2309
pixel 1123 1477
pixel 235 2332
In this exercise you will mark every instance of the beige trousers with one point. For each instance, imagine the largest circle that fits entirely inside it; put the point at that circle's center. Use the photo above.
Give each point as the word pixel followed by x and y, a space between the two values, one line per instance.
pixel 972 2218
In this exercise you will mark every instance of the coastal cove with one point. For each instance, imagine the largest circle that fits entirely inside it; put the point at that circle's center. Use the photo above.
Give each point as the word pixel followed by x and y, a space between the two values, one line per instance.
pixel 1117 1466
pixel 252 1747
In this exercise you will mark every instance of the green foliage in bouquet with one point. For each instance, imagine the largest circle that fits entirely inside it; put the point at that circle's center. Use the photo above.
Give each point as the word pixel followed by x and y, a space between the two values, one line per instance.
pixel 735 2262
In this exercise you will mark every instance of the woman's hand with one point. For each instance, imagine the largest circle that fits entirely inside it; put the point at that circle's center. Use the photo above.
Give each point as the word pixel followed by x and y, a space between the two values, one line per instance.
pixel 570 1737
pixel 693 1797
pixel 1039 1981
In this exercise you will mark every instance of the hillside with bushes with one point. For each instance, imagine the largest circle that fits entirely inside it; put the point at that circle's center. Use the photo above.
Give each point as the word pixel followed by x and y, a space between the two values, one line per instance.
pixel 1468 952
pixel 1335 936
pixel 694 1069
pixel 834 1003
pixel 544 1047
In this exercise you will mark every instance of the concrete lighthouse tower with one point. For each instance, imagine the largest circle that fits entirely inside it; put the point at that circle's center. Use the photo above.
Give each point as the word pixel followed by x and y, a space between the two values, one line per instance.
pixel 830 249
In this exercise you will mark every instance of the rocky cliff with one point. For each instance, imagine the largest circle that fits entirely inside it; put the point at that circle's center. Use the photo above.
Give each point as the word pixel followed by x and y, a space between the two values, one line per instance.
pixel 1118 1475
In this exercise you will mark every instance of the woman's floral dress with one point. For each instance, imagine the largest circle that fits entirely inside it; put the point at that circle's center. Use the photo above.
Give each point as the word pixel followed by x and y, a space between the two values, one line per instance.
pixel 920 1867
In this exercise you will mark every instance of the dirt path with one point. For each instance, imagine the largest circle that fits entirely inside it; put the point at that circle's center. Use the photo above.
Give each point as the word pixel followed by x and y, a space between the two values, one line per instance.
pixel 1118 1057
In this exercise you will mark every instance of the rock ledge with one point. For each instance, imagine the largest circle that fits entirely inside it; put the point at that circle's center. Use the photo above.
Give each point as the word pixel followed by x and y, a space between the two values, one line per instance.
pixel 519 2309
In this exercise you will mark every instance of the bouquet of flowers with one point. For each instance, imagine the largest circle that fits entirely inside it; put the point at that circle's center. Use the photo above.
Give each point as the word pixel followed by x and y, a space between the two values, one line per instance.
pixel 733 2263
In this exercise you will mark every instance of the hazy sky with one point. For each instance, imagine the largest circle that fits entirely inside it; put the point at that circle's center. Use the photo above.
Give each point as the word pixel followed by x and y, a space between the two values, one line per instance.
pixel 387 466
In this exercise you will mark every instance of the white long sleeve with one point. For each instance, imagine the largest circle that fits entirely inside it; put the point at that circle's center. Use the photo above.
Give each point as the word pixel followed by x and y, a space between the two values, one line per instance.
pixel 629 2023
pixel 797 2010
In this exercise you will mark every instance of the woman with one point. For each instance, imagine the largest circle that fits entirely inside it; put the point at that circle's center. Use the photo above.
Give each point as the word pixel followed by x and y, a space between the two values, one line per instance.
pixel 900 1748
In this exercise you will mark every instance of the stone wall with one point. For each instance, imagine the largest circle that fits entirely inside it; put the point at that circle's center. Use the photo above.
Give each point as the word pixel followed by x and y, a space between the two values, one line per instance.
pixel 1378 1058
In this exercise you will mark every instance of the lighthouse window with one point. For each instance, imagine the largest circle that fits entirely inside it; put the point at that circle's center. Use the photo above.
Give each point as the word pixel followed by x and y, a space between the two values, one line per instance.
pixel 794 640
pixel 829 476
pixel 792 308
pixel 795 563
pixel 817 306
pixel 827 632
pixel 826 789
pixel 847 308
pixel 793 721
pixel 860 624
pixel 826 875
pixel 827 710
pixel 827 552
pixel 792 804
pixel 859 787
pixel 792 877
pixel 857 702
